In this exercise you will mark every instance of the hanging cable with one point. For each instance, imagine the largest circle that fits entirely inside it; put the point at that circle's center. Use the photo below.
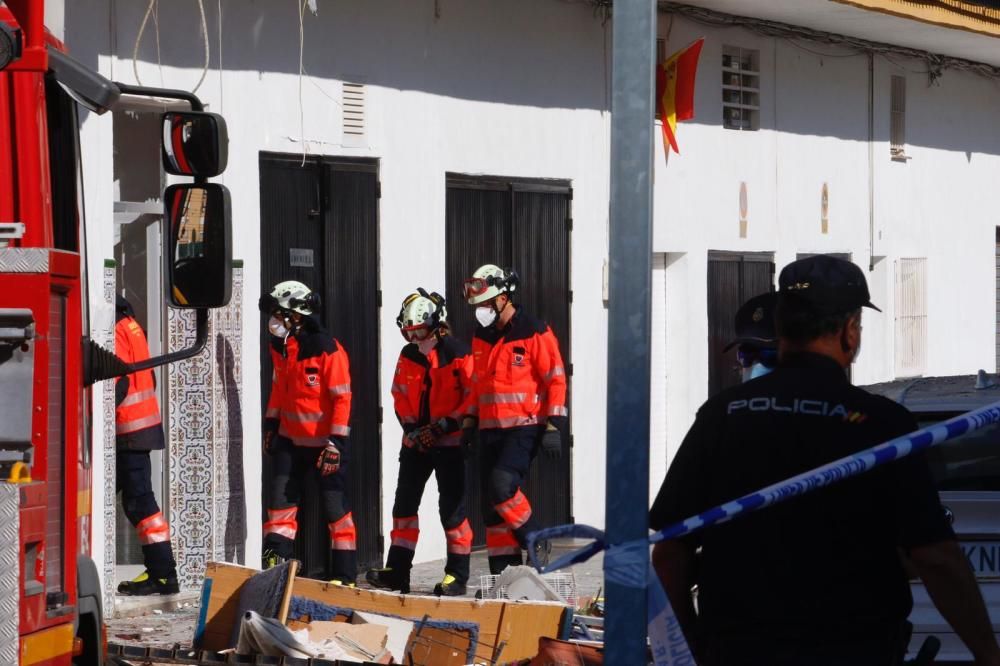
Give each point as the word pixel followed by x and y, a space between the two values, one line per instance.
pixel 302 113
pixel 156 31
pixel 204 35
pixel 138 39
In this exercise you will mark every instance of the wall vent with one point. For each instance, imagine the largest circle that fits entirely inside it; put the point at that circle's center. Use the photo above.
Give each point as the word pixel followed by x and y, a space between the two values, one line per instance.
pixel 354 105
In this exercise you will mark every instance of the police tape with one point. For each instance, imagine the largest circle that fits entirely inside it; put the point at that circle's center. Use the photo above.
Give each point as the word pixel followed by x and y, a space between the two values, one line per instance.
pixel 628 563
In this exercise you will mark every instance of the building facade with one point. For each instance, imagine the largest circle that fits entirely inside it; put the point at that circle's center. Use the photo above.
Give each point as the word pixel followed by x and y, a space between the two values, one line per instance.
pixel 414 140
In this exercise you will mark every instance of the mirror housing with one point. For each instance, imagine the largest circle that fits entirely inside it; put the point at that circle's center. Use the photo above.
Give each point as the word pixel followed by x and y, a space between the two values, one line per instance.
pixel 199 257
pixel 195 143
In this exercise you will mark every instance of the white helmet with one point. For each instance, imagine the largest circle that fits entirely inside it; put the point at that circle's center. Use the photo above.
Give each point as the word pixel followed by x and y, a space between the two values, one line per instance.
pixel 488 282
pixel 421 314
pixel 291 295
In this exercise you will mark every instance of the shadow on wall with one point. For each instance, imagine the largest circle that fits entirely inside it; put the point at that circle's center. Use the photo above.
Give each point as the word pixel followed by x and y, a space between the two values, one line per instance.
pixel 402 44
pixel 236 523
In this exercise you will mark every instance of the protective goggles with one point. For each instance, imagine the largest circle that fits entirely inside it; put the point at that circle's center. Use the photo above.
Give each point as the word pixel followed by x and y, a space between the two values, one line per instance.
pixel 476 286
pixel 747 356
pixel 415 333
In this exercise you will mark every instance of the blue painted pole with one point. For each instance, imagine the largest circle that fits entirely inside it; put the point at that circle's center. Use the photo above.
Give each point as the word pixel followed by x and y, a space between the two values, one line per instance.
pixel 627 466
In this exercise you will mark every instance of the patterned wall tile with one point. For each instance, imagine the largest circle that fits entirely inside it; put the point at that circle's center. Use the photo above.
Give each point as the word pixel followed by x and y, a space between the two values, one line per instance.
pixel 106 338
pixel 205 440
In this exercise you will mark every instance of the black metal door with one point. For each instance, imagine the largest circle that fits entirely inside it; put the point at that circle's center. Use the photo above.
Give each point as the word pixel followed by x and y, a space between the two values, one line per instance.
pixel 733 278
pixel 524 225
pixel 319 225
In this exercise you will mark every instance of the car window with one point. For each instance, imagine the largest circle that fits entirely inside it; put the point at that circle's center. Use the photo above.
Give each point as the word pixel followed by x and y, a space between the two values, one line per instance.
pixel 970 462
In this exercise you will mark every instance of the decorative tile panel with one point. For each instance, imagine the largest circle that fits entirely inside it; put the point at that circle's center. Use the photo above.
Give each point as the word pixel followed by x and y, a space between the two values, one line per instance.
pixel 205 441
pixel 106 338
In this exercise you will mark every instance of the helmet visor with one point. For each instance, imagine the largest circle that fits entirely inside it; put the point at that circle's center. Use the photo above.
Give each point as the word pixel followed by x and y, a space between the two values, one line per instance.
pixel 416 333
pixel 476 286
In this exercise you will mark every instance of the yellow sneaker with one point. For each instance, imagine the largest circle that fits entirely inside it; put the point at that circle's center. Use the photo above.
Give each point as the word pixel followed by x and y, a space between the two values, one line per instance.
pixel 449 587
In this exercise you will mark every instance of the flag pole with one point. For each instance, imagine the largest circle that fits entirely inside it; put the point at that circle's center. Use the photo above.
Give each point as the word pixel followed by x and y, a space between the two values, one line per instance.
pixel 627 462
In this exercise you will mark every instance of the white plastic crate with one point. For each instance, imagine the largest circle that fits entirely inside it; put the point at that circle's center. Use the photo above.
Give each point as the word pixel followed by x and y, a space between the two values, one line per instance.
pixel 563 582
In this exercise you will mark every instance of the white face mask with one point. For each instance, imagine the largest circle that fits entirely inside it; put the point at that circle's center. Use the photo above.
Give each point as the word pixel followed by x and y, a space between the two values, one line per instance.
pixel 754 371
pixel 425 346
pixel 277 327
pixel 485 315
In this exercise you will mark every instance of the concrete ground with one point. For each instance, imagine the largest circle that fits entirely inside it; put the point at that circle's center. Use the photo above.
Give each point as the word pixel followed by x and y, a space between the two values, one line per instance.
pixel 170 620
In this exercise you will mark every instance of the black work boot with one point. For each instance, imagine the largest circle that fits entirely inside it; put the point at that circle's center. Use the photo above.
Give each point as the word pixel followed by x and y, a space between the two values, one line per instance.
pixel 389 579
pixel 144 585
pixel 543 548
pixel 450 587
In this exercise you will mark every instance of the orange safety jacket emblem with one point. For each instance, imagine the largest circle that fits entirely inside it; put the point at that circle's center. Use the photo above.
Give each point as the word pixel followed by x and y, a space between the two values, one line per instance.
pixel 428 388
pixel 310 389
pixel 518 375
pixel 137 417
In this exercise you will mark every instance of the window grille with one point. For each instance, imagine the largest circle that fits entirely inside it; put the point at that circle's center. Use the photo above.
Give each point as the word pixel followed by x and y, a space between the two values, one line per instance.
pixel 897 117
pixel 740 88
pixel 911 317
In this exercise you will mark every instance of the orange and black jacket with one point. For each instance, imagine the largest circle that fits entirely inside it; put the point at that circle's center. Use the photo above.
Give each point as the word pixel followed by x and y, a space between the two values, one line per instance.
pixel 137 412
pixel 310 400
pixel 426 389
pixel 518 375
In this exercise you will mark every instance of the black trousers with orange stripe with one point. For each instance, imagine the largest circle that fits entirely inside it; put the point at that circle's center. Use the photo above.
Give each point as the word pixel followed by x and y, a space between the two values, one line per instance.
pixel 289 466
pixel 505 458
pixel 415 468
pixel 133 479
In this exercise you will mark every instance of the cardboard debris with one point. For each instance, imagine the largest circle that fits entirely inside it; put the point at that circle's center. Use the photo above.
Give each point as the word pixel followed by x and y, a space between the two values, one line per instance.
pixel 412 629
pixel 354 642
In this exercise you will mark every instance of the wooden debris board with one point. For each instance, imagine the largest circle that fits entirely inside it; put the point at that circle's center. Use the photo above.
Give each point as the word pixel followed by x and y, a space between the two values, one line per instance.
pixel 220 601
pixel 516 625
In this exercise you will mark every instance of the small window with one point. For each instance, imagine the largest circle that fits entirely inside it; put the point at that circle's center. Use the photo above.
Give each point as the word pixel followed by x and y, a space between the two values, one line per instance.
pixel 897 118
pixel 911 317
pixel 740 88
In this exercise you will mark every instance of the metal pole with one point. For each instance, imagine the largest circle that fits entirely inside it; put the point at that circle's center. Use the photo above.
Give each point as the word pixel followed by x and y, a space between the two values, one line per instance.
pixel 627 480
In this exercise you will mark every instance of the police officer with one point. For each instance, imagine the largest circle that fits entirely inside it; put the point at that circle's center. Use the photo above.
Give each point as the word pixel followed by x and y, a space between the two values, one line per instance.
pixel 138 431
pixel 520 403
pixel 816 580
pixel 306 427
pixel 756 341
pixel 431 391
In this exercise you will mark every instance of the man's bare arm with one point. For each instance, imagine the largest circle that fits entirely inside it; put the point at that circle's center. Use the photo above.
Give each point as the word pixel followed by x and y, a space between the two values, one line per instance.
pixel 674 562
pixel 953 589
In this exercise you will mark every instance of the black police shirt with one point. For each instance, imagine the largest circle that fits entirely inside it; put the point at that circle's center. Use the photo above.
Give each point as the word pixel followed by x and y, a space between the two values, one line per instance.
pixel 822 565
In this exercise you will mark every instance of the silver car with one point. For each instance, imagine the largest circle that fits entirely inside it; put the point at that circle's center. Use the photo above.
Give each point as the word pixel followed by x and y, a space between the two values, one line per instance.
pixel 967 473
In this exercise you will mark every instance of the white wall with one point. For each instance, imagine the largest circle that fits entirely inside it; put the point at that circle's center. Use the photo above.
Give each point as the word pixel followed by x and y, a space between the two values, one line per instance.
pixel 814 130
pixel 505 88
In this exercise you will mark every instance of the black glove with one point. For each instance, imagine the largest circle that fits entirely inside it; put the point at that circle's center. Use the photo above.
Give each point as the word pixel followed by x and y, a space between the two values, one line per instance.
pixel 552 443
pixel 328 461
pixel 270 435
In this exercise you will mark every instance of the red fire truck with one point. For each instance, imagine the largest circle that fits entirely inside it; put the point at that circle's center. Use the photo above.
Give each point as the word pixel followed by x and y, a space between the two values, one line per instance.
pixel 50 608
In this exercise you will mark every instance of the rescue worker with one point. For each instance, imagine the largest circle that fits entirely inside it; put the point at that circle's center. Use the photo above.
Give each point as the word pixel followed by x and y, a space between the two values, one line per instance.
pixel 306 427
pixel 756 340
pixel 519 406
pixel 431 391
pixel 138 431
pixel 818 579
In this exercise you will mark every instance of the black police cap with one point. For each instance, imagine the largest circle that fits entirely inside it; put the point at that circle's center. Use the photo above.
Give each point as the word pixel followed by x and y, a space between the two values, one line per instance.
pixel 826 284
pixel 755 322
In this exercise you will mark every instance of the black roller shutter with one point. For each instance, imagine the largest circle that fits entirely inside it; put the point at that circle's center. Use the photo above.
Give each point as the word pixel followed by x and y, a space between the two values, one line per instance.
pixel 524 225
pixel 330 207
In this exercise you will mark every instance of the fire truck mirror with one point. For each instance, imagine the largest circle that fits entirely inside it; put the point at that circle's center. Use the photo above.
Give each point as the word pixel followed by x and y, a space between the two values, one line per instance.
pixel 195 143
pixel 199 245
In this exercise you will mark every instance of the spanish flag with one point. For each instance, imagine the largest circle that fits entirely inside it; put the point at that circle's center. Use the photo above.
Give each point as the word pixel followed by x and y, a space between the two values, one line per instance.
pixel 675 90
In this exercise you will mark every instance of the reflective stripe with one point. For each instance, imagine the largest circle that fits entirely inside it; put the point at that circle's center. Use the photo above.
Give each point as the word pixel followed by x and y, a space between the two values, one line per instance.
pixel 557 410
pixel 501 541
pixel 282 522
pixel 504 398
pixel 405 532
pixel 460 539
pixel 409 523
pixel 342 533
pixel 314 417
pixel 401 389
pixel 137 397
pixel 508 422
pixel 340 389
pixel 340 430
pixel 125 427
pixel 554 372
pixel 272 413
pixel 153 529
pixel 408 419
pixel 400 542
pixel 515 511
